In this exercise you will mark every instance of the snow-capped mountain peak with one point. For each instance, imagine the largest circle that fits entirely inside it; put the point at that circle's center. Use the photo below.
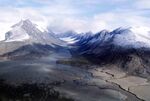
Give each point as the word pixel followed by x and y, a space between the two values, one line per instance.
pixel 17 33
pixel 22 31
pixel 23 22
pixel 133 36
pixel 28 32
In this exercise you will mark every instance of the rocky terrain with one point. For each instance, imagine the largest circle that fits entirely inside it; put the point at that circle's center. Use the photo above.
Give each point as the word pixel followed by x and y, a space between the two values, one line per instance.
pixel 72 82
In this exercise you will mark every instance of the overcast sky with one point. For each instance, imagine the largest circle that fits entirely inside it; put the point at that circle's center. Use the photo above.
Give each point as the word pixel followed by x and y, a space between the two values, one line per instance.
pixel 78 15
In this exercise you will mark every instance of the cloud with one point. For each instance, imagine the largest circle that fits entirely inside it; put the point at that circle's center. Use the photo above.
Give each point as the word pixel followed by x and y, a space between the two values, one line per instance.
pixel 98 22
pixel 79 15
pixel 119 19
pixel 142 4
pixel 39 15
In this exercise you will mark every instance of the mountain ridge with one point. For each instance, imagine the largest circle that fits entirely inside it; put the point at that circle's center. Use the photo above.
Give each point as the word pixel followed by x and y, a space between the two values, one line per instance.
pixel 25 33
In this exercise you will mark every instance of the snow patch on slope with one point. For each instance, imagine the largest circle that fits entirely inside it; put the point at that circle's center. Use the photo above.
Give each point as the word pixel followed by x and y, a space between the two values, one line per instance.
pixel 16 34
pixel 69 40
pixel 23 30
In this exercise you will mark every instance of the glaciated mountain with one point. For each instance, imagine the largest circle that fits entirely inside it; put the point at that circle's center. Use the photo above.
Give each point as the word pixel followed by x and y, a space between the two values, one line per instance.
pixel 27 31
pixel 121 37
pixel 25 38
pixel 135 36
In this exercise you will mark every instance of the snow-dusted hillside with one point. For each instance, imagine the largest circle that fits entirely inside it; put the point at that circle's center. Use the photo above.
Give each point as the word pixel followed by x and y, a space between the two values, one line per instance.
pixel 28 36
pixel 135 37
pixel 25 30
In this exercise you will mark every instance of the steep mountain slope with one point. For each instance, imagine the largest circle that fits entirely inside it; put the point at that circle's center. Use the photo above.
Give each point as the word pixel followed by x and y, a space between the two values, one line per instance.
pixel 127 48
pixel 124 38
pixel 26 37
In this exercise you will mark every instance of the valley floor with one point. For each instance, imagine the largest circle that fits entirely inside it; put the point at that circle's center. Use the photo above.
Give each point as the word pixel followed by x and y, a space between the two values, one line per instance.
pixel 133 84
pixel 92 83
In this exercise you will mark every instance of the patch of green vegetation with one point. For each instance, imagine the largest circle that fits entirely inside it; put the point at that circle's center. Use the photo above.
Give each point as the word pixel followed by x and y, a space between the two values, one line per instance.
pixel 74 62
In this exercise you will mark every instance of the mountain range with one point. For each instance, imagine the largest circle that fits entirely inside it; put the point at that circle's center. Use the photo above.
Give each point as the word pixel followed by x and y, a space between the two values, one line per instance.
pixel 127 48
